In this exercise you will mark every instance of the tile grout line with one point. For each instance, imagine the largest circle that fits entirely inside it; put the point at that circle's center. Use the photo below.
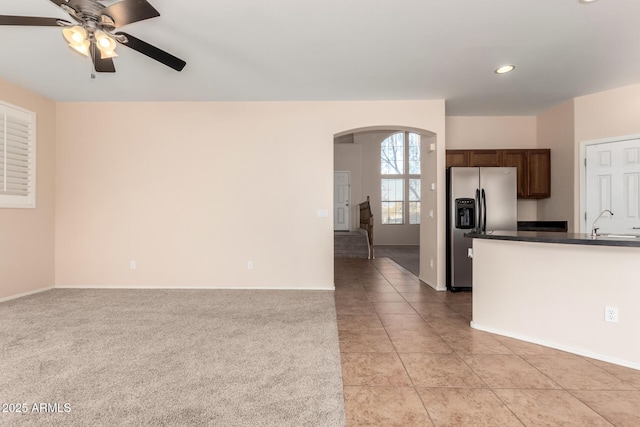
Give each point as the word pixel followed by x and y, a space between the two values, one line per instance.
pixel 442 330
pixel 414 387
pixel 457 353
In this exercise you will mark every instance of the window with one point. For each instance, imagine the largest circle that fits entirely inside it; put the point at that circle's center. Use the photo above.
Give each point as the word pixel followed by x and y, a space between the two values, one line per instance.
pixel 17 157
pixel 392 201
pixel 414 201
pixel 400 182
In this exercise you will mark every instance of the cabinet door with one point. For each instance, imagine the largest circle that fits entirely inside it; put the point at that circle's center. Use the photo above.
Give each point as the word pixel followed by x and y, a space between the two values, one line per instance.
pixel 457 158
pixel 485 158
pixel 539 164
pixel 534 167
pixel 518 159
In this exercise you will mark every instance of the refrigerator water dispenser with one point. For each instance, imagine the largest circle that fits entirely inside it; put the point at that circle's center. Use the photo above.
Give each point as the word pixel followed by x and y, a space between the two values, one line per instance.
pixel 465 213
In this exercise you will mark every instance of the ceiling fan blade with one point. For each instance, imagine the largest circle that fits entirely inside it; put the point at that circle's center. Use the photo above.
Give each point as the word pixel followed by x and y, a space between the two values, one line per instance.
pixel 58 2
pixel 128 11
pixel 35 21
pixel 101 65
pixel 152 52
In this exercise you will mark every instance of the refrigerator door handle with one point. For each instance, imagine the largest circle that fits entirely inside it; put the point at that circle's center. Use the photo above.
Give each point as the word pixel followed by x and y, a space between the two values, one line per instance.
pixel 478 214
pixel 484 211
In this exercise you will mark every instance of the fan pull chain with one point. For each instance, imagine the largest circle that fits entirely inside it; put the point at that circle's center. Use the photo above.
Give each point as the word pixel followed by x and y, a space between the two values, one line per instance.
pixel 93 66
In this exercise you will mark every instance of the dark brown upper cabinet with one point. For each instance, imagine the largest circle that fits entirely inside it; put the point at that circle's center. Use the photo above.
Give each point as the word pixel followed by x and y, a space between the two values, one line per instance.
pixel 539 174
pixel 484 158
pixel 457 158
pixel 518 159
pixel 533 165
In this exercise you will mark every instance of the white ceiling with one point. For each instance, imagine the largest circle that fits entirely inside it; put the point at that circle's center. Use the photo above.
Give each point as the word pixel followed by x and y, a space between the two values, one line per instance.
pixel 276 50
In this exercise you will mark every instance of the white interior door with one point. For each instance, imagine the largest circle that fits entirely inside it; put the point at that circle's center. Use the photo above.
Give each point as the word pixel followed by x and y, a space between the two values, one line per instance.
pixel 613 182
pixel 341 190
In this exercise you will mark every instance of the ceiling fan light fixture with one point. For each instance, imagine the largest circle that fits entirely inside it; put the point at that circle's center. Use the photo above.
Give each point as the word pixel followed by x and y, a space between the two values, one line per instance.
pixel 106 44
pixel 94 27
pixel 77 38
pixel 83 48
pixel 75 34
pixel 104 40
pixel 104 54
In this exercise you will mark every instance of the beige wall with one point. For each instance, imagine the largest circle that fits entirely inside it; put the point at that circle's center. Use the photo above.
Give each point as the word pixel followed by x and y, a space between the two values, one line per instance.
pixel 556 131
pixel 192 191
pixel 466 132
pixel 555 295
pixel 482 132
pixel 433 264
pixel 26 245
pixel 608 114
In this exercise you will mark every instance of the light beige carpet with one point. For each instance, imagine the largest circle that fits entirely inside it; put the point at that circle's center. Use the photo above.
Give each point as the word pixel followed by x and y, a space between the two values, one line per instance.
pixel 171 358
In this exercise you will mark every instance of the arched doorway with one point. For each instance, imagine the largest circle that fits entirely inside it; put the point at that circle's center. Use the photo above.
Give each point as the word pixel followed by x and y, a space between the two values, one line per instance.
pixel 395 168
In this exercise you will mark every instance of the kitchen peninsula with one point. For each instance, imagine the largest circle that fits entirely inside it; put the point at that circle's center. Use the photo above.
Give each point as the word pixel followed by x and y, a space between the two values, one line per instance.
pixel 552 289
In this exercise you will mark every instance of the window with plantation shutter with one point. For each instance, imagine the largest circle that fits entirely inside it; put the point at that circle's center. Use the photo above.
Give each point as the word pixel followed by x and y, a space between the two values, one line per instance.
pixel 17 157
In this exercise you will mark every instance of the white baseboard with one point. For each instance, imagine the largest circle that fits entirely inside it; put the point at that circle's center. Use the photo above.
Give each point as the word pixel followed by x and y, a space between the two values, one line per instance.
pixel 568 349
pixel 24 294
pixel 432 286
pixel 230 288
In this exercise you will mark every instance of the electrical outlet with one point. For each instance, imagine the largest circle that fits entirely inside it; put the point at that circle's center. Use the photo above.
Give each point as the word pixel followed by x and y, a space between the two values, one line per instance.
pixel 132 265
pixel 249 265
pixel 611 314
pixel 431 263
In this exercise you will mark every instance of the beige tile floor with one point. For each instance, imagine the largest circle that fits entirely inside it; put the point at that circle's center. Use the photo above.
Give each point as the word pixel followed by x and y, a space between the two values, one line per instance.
pixel 409 358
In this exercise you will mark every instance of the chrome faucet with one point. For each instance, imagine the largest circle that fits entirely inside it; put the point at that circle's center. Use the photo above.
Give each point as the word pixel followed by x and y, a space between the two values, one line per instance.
pixel 594 229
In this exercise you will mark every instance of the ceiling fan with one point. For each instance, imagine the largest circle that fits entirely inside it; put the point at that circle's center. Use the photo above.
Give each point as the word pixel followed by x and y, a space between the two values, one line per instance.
pixel 93 34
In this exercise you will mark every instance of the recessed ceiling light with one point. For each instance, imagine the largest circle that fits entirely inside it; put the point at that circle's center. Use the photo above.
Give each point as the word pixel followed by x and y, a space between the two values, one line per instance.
pixel 586 1
pixel 505 69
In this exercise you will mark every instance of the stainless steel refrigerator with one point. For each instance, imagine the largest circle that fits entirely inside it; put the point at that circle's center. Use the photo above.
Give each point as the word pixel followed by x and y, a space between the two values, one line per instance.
pixel 478 199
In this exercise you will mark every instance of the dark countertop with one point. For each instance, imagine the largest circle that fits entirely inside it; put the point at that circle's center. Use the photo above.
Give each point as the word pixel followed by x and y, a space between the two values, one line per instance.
pixel 559 226
pixel 551 237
